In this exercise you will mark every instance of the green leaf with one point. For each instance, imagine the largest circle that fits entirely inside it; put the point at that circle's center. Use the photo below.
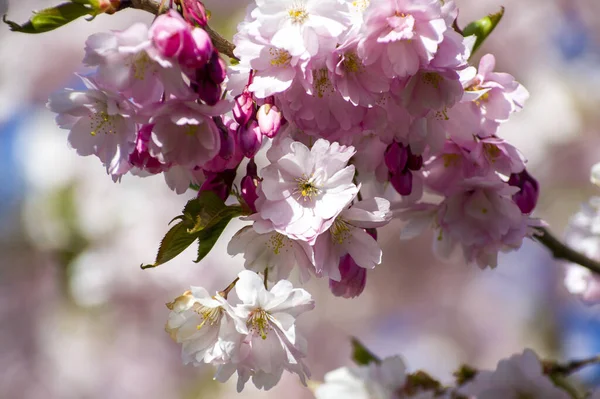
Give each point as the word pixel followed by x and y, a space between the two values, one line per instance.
pixel 361 355
pixel 51 18
pixel 209 236
pixel 482 28
pixel 175 242
pixel 206 211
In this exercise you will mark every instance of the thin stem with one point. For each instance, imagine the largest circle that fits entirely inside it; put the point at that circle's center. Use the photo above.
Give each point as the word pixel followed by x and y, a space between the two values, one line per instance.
pixel 561 251
pixel 570 367
pixel 266 277
pixel 226 291
pixel 223 45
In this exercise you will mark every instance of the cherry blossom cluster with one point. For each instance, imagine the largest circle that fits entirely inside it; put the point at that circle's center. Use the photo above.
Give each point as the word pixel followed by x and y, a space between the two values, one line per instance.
pixel 343 114
pixel 520 376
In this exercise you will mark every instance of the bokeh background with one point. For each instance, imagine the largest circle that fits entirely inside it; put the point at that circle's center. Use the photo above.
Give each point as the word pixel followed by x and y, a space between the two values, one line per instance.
pixel 80 319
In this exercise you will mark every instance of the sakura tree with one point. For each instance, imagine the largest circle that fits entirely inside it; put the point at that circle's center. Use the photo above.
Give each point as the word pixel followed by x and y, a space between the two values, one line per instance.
pixel 334 117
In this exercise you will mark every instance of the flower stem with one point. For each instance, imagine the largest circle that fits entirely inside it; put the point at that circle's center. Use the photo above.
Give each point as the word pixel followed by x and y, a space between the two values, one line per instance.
pixel 226 291
pixel 560 250
pixel 266 277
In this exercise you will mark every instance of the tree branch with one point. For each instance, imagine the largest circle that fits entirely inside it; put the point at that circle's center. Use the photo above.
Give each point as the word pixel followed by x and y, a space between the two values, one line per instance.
pixel 561 251
pixel 223 45
pixel 570 367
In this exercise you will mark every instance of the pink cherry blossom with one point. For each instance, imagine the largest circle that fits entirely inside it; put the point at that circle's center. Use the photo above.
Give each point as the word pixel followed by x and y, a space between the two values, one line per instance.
pixel 401 35
pixel 306 187
pixel 128 62
pixel 101 123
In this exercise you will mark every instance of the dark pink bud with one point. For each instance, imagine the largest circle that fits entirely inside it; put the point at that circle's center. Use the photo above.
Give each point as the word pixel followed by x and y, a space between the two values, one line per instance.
pixel 414 162
pixel 227 148
pixel 527 198
pixel 269 120
pixel 402 182
pixel 217 69
pixel 199 53
pixel 207 90
pixel 249 184
pixel 219 183
pixel 243 108
pixel 170 34
pixel 249 139
pixel 194 11
pixel 395 157
pixel 354 279
pixel 140 157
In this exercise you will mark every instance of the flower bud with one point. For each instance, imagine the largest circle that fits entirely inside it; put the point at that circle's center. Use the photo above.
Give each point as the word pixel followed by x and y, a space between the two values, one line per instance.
pixel 200 52
pixel 170 34
pixel 249 139
pixel 140 157
pixel 402 182
pixel 249 184
pixel 194 11
pixel 207 90
pixel 354 279
pixel 219 183
pixel 414 162
pixel 269 120
pixel 217 69
pixel 243 108
pixel 395 157
pixel 526 199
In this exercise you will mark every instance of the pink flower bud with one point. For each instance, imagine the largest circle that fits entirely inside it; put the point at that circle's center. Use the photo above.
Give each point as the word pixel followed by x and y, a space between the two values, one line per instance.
pixel 217 69
pixel 249 139
pixel 219 183
pixel 173 37
pixel 402 182
pixel 527 198
pixel 249 184
pixel 354 279
pixel 207 90
pixel 395 157
pixel 269 120
pixel 140 157
pixel 170 33
pixel 194 11
pixel 414 162
pixel 243 109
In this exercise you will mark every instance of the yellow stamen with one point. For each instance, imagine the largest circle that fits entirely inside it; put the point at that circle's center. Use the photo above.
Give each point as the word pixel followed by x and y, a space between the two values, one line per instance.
pixel 258 322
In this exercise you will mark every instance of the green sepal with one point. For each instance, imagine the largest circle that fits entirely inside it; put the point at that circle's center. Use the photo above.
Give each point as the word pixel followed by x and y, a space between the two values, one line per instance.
pixel 361 355
pixel 482 28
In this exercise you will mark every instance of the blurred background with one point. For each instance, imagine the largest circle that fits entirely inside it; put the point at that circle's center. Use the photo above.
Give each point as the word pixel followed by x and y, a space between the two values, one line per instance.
pixel 80 319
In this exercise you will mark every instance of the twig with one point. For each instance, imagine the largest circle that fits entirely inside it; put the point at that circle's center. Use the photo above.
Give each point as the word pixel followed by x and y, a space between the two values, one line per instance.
pixel 223 45
pixel 561 251
pixel 570 367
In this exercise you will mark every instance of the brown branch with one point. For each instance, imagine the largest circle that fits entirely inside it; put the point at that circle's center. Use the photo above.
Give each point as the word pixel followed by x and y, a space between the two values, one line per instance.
pixel 223 45
pixel 561 251
pixel 570 367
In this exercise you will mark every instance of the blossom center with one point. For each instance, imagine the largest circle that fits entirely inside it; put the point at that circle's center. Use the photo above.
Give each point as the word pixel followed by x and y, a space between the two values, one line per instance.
pixel 211 316
pixel 451 160
pixel 352 62
pixel 321 82
pixel 102 122
pixel 298 14
pixel 280 57
pixel 403 24
pixel 360 5
pixel 258 322
pixel 140 65
pixel 307 189
pixel 432 79
pixel 277 242
pixel 492 151
pixel 191 130
pixel 340 230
